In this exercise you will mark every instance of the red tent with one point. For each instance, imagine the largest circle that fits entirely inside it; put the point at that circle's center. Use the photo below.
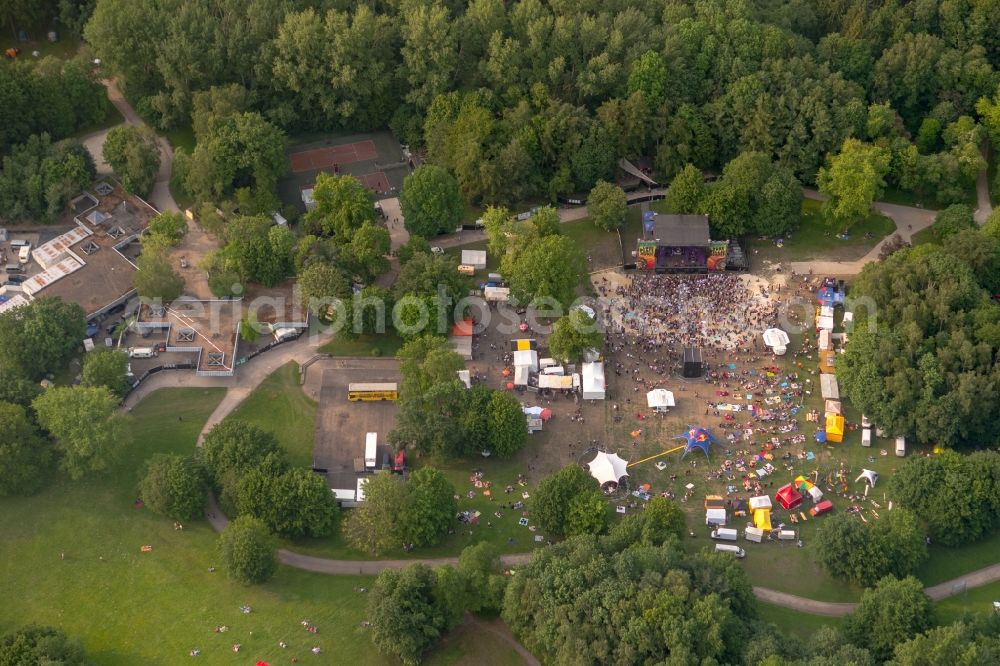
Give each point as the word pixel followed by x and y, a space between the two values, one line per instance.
pixel 788 497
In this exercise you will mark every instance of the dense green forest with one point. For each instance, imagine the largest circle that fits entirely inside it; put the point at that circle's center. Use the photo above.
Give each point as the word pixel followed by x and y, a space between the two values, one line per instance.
pixel 536 98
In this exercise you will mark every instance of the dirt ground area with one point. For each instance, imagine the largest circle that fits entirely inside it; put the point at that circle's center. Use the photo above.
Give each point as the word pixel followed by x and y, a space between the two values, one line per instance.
pixel 189 255
pixel 341 425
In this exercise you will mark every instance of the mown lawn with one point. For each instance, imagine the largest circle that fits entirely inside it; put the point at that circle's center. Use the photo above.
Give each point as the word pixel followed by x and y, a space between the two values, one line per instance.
pixel 153 608
pixel 384 344
pixel 977 600
pixel 816 239
pixel 946 563
pixel 280 406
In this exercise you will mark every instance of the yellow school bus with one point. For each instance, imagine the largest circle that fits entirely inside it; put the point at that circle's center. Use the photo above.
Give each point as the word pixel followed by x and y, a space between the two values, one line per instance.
pixel 387 391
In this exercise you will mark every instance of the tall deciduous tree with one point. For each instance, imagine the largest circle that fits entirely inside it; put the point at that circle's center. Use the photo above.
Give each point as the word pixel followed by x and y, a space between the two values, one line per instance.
pixel 687 190
pixel 40 337
pixel 175 487
pixel 550 268
pixel 429 507
pixel 319 285
pixel 431 202
pixel 374 527
pixel 608 206
pixel 575 334
pixel 82 421
pixel 342 206
pixel 852 180
pixel 156 279
pixel 133 155
pixel 407 613
pixel 108 368
pixel 24 455
pixel 507 429
pixel 248 551
pixel 550 505
pixel 41 645
pixel 889 614
pixel 238 446
pixel 430 52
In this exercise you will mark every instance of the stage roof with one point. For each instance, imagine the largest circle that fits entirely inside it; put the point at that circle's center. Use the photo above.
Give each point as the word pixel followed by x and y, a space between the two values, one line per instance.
pixel 682 230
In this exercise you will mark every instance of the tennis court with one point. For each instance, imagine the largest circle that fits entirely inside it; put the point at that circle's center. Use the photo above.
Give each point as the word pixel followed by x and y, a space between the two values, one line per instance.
pixel 332 156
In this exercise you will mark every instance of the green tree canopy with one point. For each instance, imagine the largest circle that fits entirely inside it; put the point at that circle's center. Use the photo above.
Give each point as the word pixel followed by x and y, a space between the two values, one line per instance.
pixel 108 368
pixel 951 220
pixel 82 421
pixel 237 446
pixel 39 338
pixel 506 425
pixel 552 501
pixel 175 487
pixel 342 206
pixel 407 612
pixel 134 156
pixel 889 614
pixel 431 202
pixel 429 508
pixel 168 225
pixel 31 645
pixel 258 250
pixel 573 335
pixel 852 180
pixel 296 503
pixel 852 550
pixel 553 267
pixel 248 551
pixel 319 285
pixel 375 527
pixel 156 279
pixel 24 454
pixel 958 496
pixel 607 205
pixel 687 190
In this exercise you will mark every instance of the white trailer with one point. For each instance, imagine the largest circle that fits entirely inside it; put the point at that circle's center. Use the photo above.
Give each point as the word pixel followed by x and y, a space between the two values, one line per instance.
pixel 371 442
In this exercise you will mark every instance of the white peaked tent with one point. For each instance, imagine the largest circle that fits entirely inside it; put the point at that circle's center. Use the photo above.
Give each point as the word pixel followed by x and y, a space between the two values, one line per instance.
pixel 660 399
pixel 761 502
pixel 777 340
pixel 608 468
pixel 869 476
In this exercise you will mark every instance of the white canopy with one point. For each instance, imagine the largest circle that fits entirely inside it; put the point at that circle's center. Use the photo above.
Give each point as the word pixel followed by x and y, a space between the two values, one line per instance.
pixel 761 502
pixel 776 339
pixel 587 310
pixel 593 381
pixel 532 411
pixel 465 377
pixel 715 516
pixel 868 475
pixel 825 323
pixel 829 387
pixel 521 375
pixel 816 493
pixel 825 340
pixel 474 258
pixel 527 358
pixel 660 399
pixel 607 467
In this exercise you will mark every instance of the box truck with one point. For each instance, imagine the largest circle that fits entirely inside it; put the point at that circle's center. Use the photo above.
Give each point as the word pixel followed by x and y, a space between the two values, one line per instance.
pixel 371 440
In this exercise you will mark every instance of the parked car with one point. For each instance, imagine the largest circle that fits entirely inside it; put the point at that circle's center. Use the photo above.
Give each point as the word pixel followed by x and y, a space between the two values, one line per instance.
pixel 437 249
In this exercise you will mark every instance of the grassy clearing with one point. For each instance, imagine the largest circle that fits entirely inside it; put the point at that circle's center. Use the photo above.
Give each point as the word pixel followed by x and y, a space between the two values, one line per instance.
pixel 795 623
pixel 978 600
pixel 152 608
pixel 280 406
pixel 468 644
pixel 815 239
pixel 947 563
pixel 921 200
pixel 111 118
pixel 924 237
pixel 385 344
pixel 181 137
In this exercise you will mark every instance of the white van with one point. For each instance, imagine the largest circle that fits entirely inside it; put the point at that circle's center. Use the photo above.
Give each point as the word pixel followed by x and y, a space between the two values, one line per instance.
pixel 754 534
pixel 724 534
pixel 866 437
pixel 24 254
pixel 283 334
pixel 141 352
pixel 735 551
pixel 900 446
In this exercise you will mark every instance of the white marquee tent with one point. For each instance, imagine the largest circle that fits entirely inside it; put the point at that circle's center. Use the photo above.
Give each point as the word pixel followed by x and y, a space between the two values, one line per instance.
pixel 593 381
pixel 869 476
pixel 660 399
pixel 777 340
pixel 607 467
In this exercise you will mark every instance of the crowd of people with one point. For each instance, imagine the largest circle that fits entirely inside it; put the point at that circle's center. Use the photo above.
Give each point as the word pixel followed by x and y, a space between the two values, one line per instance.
pixel 670 312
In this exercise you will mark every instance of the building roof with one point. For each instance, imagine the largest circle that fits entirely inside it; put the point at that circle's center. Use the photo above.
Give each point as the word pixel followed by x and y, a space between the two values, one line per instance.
pixel 681 230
